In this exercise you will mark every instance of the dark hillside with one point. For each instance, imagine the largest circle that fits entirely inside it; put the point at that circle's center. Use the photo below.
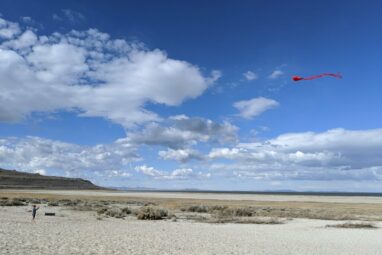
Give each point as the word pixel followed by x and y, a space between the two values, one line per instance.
pixel 12 179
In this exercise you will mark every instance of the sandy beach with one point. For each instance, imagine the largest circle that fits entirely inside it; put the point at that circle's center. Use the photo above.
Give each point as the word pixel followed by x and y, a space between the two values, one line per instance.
pixel 84 232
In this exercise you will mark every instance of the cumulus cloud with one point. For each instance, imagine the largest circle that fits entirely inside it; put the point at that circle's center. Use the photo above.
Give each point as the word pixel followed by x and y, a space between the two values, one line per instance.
pixel 148 170
pixel 249 76
pixel 254 107
pixel 8 29
pixel 89 73
pixel 182 131
pixel 177 174
pixel 181 155
pixel 35 154
pixel 275 74
pixel 334 154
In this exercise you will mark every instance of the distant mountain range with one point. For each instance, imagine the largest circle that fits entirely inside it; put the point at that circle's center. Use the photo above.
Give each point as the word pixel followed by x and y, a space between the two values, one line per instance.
pixel 262 192
pixel 12 179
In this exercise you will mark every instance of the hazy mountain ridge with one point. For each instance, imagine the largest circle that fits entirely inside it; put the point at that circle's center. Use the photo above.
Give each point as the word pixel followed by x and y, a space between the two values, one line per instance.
pixel 12 179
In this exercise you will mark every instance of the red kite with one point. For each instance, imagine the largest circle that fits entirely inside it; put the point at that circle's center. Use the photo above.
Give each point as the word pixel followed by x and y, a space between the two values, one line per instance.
pixel 298 78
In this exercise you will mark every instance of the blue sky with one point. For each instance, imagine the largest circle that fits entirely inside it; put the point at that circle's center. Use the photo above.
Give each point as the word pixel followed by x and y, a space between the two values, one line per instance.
pixel 175 94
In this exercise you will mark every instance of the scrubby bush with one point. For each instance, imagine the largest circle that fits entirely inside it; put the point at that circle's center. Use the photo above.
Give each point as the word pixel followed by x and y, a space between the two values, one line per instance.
pixel 12 202
pixel 217 208
pixel 35 201
pixel 126 210
pixel 151 213
pixel 235 212
pixel 197 208
pixel 245 220
pixel 352 225
pixel 101 210
pixel 68 202
pixel 150 203
pixel 243 211
pixel 82 207
pixel 114 212
pixel 53 203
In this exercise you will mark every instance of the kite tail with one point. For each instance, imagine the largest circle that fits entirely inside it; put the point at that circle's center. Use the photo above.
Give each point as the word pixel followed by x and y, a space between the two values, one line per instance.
pixel 337 75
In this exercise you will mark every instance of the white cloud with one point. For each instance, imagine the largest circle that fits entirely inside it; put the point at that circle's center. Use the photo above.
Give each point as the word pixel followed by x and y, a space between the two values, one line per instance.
pixel 177 174
pixel 89 73
pixel 182 131
pixel 249 76
pixel 150 171
pixel 38 154
pixel 181 155
pixel 275 74
pixel 254 107
pixel 8 29
pixel 25 40
pixel 334 154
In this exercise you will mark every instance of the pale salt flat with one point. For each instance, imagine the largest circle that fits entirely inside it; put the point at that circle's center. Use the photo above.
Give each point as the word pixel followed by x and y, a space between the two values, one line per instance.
pixel 73 232
pixel 217 196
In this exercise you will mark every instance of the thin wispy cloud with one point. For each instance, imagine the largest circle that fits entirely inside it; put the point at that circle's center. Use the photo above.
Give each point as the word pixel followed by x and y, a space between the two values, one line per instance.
pixel 69 15
pixel 276 74
pixel 249 109
pixel 250 76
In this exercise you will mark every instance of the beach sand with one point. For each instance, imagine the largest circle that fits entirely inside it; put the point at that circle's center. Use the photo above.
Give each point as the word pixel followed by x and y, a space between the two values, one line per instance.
pixel 80 232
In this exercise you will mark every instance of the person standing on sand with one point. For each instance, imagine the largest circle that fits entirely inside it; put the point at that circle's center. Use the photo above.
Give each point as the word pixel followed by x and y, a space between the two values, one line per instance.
pixel 34 211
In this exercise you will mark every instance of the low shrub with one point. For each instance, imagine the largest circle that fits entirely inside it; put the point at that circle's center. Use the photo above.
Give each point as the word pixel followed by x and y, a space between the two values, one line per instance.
pixel 12 202
pixel 114 212
pixel 53 203
pixel 352 225
pixel 246 220
pixel 151 213
pixel 196 208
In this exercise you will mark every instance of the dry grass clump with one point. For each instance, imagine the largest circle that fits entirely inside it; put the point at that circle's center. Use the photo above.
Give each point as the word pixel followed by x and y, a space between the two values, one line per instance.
pixel 53 203
pixel 149 203
pixel 102 210
pixel 83 206
pixel 126 210
pixel 220 210
pixel 353 225
pixel 217 208
pixel 234 212
pixel 68 202
pixel 13 202
pixel 114 212
pixel 136 202
pixel 196 208
pixel 246 220
pixel 35 201
pixel 243 211
pixel 151 213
